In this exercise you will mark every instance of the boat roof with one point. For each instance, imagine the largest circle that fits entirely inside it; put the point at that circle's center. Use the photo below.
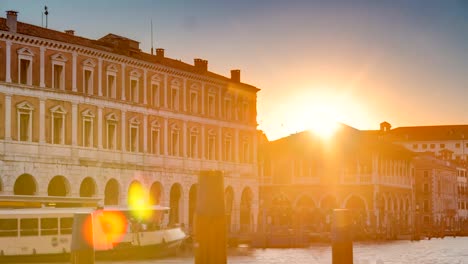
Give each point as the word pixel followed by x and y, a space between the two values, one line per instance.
pixel 73 210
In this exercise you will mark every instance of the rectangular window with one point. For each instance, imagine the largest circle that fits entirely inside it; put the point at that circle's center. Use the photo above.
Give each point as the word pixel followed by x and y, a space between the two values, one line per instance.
pixel 24 71
pixel 49 226
pixel 111 138
pixel 29 227
pixel 426 188
pixel 58 129
pixel 134 91
pixel 110 88
pixel 193 102
pixel 424 146
pixel 8 227
pixel 87 82
pixel 211 148
pixel 457 145
pixel 133 139
pixel 87 133
pixel 175 98
pixel 227 149
pixel 442 145
pixel 155 141
pixel 415 146
pixel 426 174
pixel 426 206
pixel 245 152
pixel 193 146
pixel 155 95
pixel 175 143
pixel 58 76
pixel 227 109
pixel 245 111
pixel 211 105
pixel 24 124
pixel 66 225
pixel 432 146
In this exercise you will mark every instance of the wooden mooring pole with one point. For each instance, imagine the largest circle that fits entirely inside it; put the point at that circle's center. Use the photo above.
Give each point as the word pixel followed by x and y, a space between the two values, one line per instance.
pixel 210 220
pixel 82 249
pixel 342 243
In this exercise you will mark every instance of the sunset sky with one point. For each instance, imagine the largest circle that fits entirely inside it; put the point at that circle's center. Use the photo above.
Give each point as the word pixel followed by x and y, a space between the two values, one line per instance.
pixel 356 62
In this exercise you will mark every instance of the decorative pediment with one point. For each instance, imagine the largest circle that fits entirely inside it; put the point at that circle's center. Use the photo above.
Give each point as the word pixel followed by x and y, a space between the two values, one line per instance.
pixel 89 63
pixel 25 105
pixel 228 135
pixel 135 73
pixel 175 82
pixel 156 78
pixel 195 86
pixel 112 117
pixel 194 130
pixel 112 68
pixel 155 123
pixel 212 90
pixel 58 57
pixel 25 52
pixel 87 113
pixel 211 132
pixel 174 126
pixel 58 109
pixel 134 120
pixel 245 138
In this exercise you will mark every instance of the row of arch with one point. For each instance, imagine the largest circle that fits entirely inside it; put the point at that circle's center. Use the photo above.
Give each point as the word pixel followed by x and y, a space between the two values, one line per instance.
pixel 59 185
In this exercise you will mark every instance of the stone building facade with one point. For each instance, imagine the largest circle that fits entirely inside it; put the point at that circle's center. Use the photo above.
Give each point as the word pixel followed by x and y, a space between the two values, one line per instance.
pixel 90 118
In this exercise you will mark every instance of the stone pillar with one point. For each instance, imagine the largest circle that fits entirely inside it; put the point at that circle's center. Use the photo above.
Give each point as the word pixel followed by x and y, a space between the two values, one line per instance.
pixel 184 140
pixel 145 131
pixel 100 76
pixel 42 124
pixel 166 132
pixel 8 116
pixel 123 128
pixel 203 99
pixel 74 124
pixel 74 55
pixel 184 98
pixel 166 90
pixel 42 67
pixel 342 244
pixel 8 62
pixel 99 125
pixel 123 82
pixel 145 87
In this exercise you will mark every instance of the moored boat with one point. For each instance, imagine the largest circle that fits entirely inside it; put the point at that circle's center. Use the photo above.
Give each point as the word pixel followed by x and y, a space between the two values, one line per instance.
pixel 45 234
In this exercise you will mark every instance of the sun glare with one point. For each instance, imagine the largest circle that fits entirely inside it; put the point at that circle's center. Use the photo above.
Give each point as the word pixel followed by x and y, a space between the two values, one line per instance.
pixel 323 120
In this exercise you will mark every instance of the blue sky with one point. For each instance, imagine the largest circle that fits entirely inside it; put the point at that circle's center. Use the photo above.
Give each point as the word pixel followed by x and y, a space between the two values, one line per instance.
pixel 358 62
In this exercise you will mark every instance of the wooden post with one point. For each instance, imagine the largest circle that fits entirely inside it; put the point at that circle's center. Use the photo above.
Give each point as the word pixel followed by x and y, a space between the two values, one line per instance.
pixel 342 243
pixel 210 219
pixel 82 249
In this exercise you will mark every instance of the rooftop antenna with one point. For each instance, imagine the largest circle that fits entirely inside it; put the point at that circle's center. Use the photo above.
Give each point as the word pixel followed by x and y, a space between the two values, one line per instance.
pixel 151 36
pixel 46 13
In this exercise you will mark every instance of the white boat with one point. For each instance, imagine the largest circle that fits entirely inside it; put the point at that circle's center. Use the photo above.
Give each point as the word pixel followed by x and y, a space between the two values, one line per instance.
pixel 45 234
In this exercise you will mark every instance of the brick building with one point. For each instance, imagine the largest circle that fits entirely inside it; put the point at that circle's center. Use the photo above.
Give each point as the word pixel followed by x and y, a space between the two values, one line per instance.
pixel 83 120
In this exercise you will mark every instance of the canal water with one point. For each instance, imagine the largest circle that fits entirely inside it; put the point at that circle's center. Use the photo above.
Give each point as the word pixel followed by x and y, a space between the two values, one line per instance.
pixel 435 251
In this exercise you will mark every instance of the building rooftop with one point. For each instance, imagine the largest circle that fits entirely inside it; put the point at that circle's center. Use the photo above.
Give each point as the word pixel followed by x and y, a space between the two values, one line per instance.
pixel 430 133
pixel 114 44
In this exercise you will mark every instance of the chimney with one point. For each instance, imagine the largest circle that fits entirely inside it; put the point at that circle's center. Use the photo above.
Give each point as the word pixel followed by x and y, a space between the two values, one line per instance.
pixel 159 53
pixel 201 65
pixel 385 126
pixel 70 32
pixel 235 75
pixel 11 20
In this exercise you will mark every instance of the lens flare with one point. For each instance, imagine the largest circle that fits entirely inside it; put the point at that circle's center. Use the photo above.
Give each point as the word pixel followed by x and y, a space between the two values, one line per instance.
pixel 109 228
pixel 138 202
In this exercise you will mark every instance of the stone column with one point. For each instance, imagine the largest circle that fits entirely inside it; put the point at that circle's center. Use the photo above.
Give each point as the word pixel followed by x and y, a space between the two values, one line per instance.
pixel 203 99
pixel 100 76
pixel 166 131
pixel 123 82
pixel 184 140
pixel 42 114
pixel 99 125
pixel 74 89
pixel 145 87
pixel 74 123
pixel 123 127
pixel 8 62
pixel 42 67
pixel 145 131
pixel 184 98
pixel 8 116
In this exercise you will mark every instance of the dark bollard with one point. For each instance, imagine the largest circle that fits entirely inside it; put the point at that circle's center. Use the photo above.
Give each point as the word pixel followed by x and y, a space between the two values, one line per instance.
pixel 342 243
pixel 82 249
pixel 210 219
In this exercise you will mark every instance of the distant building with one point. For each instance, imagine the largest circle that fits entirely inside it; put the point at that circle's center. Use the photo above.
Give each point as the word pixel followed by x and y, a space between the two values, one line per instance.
pixel 83 120
pixel 304 177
